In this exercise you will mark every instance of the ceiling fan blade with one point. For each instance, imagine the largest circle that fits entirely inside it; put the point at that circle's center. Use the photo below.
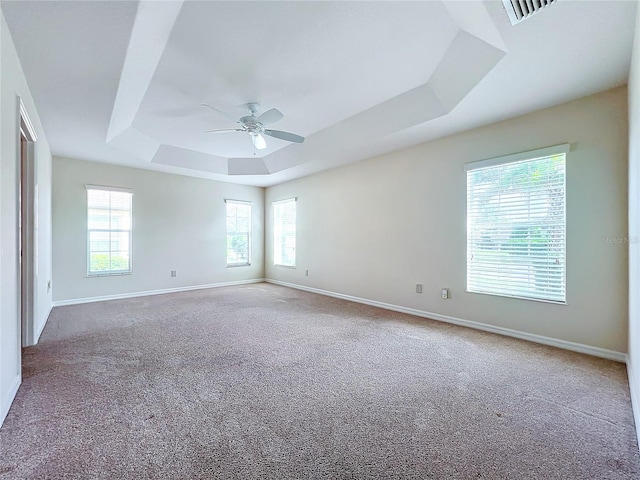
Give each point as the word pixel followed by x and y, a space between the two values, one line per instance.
pixel 258 141
pixel 289 137
pixel 270 116
pixel 233 119
pixel 225 130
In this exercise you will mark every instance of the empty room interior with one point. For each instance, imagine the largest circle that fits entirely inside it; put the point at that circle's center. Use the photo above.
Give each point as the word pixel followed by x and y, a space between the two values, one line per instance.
pixel 320 239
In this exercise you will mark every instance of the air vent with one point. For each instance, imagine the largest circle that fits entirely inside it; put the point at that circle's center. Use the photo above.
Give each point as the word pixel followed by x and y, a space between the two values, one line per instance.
pixel 520 10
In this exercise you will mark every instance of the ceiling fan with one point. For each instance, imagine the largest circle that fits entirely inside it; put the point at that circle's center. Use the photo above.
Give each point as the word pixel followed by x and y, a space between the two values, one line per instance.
pixel 254 125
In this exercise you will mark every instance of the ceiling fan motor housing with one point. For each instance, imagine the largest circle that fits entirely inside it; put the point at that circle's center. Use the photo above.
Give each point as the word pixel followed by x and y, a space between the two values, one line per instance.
pixel 251 123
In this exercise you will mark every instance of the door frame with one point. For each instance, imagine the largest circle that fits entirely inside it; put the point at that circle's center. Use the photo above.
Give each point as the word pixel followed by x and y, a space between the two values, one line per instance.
pixel 27 226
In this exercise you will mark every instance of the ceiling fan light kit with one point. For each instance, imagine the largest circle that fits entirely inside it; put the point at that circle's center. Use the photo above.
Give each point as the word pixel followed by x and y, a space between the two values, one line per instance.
pixel 254 125
pixel 258 141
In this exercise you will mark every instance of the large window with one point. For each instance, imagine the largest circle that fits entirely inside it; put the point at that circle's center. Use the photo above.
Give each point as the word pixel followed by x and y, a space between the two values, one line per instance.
pixel 238 233
pixel 516 225
pixel 284 233
pixel 108 230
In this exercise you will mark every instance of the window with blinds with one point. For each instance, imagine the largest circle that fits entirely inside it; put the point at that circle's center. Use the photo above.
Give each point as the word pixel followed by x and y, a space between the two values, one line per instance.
pixel 238 233
pixel 284 233
pixel 516 228
pixel 108 230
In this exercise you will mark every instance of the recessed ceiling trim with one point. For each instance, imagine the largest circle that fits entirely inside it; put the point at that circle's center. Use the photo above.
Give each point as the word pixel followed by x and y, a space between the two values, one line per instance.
pixel 151 30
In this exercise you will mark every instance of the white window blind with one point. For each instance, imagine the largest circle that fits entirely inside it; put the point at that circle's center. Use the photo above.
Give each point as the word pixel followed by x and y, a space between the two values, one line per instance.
pixel 108 230
pixel 516 228
pixel 238 233
pixel 284 233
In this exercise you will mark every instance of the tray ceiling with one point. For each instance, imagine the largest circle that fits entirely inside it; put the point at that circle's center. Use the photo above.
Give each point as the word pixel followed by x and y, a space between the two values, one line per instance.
pixel 123 82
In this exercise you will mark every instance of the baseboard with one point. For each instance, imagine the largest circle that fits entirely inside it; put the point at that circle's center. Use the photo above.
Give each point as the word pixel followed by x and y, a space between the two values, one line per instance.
pixel 635 397
pixel 7 399
pixel 554 342
pixel 36 339
pixel 120 296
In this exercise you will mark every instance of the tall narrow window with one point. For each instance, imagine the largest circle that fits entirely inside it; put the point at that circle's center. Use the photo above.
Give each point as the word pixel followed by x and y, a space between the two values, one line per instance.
pixel 108 230
pixel 284 233
pixel 516 225
pixel 238 233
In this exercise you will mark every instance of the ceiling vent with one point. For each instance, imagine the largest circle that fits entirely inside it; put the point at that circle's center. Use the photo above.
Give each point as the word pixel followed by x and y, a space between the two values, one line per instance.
pixel 520 10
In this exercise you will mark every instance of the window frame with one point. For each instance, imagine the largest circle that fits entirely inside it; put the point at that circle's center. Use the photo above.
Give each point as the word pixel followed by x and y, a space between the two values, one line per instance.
pixel 276 231
pixel 535 295
pixel 249 233
pixel 109 273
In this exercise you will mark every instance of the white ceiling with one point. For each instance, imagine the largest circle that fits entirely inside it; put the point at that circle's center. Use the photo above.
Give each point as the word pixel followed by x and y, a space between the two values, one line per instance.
pixel 123 82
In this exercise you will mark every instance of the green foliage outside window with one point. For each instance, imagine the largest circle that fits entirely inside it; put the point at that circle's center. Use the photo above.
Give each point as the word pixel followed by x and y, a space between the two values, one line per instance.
pixel 238 246
pixel 100 263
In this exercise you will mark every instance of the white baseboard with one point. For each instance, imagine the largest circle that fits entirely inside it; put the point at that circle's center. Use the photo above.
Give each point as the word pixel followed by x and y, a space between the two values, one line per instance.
pixel 41 326
pixel 554 342
pixel 7 399
pixel 635 397
pixel 120 296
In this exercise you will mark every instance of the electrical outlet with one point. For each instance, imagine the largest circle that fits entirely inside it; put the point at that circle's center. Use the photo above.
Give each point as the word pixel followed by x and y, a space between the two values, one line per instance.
pixel 48 286
pixel 306 273
pixel 418 288
pixel 444 293
pixel 173 273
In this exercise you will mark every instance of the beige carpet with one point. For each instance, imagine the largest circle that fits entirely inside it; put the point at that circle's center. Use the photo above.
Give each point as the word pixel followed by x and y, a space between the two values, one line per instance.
pixel 261 381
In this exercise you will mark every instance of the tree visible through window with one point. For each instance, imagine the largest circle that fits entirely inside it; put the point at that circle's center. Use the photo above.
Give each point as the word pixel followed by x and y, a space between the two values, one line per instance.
pixel 238 233
pixel 108 231
pixel 516 228
pixel 284 233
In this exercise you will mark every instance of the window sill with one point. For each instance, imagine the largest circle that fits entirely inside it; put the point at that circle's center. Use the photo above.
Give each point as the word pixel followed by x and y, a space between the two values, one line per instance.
pixel 541 300
pixel 284 266
pixel 239 265
pixel 109 274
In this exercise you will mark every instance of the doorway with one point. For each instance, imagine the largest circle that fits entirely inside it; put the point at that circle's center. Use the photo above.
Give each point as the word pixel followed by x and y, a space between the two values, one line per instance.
pixel 27 227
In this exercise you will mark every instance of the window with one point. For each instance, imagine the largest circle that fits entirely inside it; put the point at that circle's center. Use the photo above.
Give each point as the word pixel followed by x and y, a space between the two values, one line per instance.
pixel 108 230
pixel 238 233
pixel 284 233
pixel 516 225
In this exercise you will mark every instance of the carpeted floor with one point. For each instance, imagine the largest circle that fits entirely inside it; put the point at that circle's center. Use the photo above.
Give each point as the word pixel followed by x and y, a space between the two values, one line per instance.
pixel 261 381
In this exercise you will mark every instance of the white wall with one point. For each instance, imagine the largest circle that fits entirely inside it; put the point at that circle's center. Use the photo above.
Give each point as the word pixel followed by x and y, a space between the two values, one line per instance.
pixel 13 86
pixel 633 362
pixel 178 224
pixel 376 228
